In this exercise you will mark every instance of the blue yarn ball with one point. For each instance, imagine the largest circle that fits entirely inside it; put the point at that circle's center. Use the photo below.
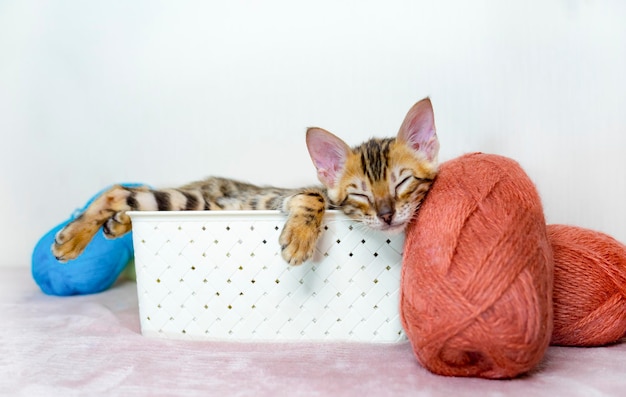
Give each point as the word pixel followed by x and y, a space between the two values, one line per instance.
pixel 95 270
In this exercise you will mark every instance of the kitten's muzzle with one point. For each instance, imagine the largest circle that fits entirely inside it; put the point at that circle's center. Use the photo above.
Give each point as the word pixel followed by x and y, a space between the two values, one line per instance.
pixel 385 211
pixel 386 217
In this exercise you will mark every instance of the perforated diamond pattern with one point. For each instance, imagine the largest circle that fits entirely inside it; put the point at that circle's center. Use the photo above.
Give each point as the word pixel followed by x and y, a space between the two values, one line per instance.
pixel 219 276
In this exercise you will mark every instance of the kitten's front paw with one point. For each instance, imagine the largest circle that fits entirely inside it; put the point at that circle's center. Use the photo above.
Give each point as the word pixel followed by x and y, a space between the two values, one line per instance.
pixel 71 241
pixel 116 226
pixel 298 241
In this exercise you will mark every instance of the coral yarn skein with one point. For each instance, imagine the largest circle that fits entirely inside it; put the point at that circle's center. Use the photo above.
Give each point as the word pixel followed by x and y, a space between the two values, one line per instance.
pixel 476 288
pixel 589 287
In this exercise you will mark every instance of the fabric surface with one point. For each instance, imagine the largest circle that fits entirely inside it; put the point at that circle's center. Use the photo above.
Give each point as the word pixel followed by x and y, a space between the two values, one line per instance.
pixel 92 346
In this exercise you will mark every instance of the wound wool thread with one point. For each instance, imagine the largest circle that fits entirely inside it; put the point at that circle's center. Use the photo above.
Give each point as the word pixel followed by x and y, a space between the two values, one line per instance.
pixel 476 289
pixel 589 287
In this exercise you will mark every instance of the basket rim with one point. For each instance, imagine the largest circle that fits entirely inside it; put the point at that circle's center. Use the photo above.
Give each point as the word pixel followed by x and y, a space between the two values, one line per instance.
pixel 224 214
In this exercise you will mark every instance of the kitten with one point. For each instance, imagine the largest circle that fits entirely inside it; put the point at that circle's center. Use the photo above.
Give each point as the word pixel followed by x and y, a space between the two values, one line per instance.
pixel 380 183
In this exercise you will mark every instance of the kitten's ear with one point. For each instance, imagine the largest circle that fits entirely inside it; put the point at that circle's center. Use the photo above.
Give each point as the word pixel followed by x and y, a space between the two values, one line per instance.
pixel 418 129
pixel 328 153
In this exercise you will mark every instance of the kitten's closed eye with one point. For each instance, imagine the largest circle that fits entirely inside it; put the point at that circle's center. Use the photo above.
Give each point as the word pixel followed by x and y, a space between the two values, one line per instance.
pixel 404 185
pixel 361 197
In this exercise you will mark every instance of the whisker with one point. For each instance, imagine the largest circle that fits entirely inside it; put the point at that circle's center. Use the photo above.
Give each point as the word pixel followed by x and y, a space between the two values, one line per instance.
pixel 329 222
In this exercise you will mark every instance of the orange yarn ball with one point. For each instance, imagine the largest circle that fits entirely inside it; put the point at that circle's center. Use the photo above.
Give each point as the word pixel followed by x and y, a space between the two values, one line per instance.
pixel 589 287
pixel 476 289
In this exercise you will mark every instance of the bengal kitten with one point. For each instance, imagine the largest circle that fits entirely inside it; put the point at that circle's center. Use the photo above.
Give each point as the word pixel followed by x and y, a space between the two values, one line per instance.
pixel 380 183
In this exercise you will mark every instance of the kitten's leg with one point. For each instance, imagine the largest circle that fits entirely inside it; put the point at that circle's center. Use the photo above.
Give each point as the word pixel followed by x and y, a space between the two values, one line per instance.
pixel 109 212
pixel 70 241
pixel 153 200
pixel 303 226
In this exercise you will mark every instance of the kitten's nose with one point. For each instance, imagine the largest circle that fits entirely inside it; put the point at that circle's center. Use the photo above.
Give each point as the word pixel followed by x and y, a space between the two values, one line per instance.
pixel 386 216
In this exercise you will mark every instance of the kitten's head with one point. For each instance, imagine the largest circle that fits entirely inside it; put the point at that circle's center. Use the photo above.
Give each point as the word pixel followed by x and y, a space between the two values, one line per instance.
pixel 381 182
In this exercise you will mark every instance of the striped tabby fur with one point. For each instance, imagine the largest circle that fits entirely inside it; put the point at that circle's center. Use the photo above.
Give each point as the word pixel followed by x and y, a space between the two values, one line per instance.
pixel 380 183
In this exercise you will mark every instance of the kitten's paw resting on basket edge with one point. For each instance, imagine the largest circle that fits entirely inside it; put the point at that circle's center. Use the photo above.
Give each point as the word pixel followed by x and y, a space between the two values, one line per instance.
pixel 303 227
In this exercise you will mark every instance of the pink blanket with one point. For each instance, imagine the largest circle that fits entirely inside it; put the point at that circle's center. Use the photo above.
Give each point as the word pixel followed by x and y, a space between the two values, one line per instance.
pixel 92 346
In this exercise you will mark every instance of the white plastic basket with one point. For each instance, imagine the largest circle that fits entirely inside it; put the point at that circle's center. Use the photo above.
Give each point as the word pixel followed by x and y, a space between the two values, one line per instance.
pixel 218 275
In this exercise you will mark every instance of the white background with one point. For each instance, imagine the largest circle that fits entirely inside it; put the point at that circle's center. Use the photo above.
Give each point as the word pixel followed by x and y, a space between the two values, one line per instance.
pixel 94 93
